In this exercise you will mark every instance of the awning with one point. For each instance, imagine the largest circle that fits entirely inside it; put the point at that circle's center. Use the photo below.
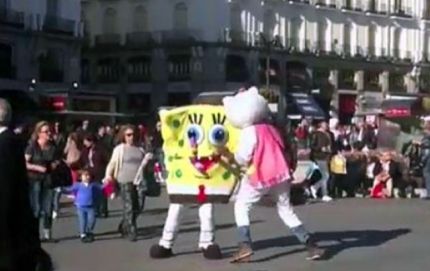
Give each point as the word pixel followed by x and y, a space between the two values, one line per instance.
pixel 401 106
pixel 304 105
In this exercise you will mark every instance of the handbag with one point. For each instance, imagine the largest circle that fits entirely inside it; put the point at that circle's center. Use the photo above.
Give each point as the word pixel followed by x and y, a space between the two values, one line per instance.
pixel 153 188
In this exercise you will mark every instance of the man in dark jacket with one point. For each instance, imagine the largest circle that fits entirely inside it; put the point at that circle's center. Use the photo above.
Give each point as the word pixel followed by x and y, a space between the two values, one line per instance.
pixel 20 248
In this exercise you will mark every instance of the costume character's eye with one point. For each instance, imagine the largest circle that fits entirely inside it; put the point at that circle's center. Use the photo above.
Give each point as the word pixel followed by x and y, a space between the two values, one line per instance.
pixel 218 135
pixel 195 134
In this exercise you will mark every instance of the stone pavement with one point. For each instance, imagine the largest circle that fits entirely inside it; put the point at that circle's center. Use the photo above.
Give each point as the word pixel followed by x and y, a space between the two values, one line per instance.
pixel 360 234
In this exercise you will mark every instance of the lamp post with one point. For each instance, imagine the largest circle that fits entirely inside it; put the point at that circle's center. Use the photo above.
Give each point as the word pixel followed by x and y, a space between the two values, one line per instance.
pixel 269 45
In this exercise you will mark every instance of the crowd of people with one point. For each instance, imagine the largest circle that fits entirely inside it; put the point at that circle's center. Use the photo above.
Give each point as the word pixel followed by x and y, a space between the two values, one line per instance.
pixel 89 165
pixel 348 162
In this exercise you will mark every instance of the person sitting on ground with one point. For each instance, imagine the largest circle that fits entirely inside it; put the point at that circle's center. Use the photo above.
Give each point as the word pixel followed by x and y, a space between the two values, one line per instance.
pixel 386 172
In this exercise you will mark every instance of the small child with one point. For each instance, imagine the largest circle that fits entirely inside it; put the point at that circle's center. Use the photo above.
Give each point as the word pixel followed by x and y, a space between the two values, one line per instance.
pixel 86 193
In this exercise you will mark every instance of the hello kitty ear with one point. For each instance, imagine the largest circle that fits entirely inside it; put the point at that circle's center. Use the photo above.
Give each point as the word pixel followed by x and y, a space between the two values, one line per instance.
pixel 253 90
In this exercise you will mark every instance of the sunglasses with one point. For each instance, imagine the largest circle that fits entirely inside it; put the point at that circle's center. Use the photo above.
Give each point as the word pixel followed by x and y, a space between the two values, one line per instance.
pixel 129 135
pixel 45 132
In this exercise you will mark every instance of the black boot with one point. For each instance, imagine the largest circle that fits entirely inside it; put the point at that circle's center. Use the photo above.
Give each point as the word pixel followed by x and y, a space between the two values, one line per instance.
pixel 212 252
pixel 159 252
pixel 132 234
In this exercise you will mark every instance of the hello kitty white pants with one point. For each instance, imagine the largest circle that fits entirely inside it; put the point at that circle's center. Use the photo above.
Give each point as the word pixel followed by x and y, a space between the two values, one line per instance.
pixel 171 226
pixel 248 195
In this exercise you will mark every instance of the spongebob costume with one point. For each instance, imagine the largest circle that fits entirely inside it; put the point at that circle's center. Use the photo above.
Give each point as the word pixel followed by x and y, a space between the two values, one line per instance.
pixel 195 172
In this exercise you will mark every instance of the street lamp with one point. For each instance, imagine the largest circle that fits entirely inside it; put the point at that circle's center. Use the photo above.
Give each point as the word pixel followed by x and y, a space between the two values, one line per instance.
pixel 269 45
pixel 75 85
pixel 32 85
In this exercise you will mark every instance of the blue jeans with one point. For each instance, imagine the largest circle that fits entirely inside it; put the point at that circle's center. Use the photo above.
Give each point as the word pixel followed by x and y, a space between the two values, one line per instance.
pixel 41 200
pixel 57 197
pixel 87 219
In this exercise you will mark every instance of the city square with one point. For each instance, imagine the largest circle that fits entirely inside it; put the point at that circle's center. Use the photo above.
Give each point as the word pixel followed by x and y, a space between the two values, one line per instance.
pixel 358 233
pixel 148 135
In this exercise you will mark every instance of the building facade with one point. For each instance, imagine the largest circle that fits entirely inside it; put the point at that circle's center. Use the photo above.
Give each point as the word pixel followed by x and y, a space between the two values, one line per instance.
pixel 40 43
pixel 164 52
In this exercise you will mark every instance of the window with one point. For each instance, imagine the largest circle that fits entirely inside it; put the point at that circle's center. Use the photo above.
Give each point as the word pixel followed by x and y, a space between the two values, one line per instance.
pixel 397 82
pixel 346 79
pixel 108 70
pixel 139 103
pixel 85 71
pixel 140 20
pixel 51 66
pixel 109 21
pixel 322 32
pixel 179 99
pixel 236 69
pixel 235 17
pixel 180 16
pixel 6 68
pixel 298 78
pixel 396 43
pixel 371 80
pixel 371 39
pixel 294 40
pixel 139 69
pixel 269 23
pixel 179 67
pixel 347 28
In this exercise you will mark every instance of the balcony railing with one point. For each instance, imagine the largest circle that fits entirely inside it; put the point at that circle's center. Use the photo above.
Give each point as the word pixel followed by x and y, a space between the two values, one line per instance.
pixel 299 1
pixel 57 24
pixel 178 36
pixel 371 7
pixel 398 12
pixel 139 39
pixel 11 17
pixel 241 38
pixel 108 40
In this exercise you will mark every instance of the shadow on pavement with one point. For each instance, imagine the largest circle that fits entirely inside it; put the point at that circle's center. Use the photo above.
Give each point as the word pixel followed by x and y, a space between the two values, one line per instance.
pixel 343 240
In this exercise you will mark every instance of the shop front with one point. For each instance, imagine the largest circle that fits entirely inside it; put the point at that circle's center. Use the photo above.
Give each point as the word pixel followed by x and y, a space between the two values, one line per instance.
pixel 73 106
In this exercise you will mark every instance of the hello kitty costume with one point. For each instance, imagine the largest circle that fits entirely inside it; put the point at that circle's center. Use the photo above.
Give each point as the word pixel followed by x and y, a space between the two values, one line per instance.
pixel 261 149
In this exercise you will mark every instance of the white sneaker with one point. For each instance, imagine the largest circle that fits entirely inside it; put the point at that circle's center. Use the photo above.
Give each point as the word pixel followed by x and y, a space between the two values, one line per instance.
pixel 327 198
pixel 54 215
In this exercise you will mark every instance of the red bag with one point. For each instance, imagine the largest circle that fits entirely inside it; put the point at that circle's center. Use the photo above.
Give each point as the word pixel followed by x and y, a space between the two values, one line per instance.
pixel 109 189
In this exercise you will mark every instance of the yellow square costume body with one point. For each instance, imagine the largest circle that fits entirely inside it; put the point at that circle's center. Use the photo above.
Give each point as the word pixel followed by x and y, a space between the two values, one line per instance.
pixel 195 173
pixel 191 135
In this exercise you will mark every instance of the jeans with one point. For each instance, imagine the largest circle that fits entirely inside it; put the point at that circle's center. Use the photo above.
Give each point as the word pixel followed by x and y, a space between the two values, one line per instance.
pixel 130 199
pixel 57 197
pixel 41 200
pixel 323 183
pixel 87 219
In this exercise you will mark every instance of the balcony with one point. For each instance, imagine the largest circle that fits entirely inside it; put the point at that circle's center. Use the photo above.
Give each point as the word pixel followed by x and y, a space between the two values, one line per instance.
pixel 299 1
pixel 240 38
pixel 400 13
pixel 180 36
pixel 55 24
pixel 138 39
pixel 108 40
pixel 293 45
pixel 11 17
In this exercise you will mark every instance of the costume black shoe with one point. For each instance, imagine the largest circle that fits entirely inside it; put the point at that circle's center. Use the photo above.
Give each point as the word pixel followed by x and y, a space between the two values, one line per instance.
pixel 122 229
pixel 159 252
pixel 212 252
pixel 90 237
